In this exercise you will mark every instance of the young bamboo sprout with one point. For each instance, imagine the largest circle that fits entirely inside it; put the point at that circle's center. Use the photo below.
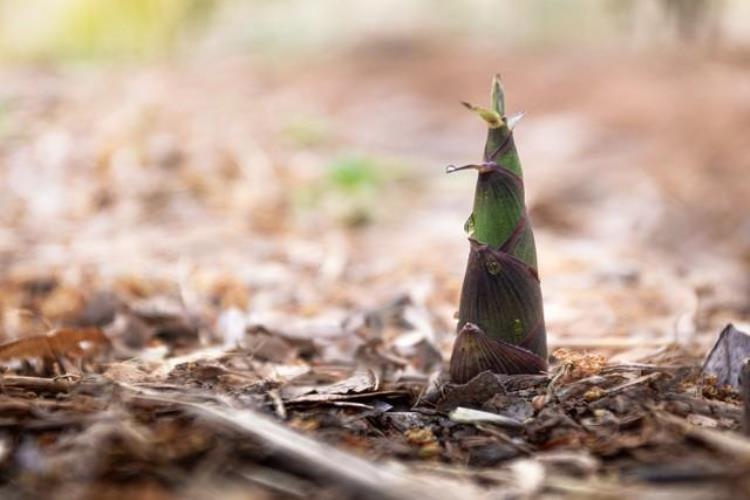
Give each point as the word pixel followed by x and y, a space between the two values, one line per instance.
pixel 501 319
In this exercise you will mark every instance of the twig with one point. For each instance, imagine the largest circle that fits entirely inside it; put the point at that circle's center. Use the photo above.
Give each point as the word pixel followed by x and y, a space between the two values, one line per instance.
pixel 278 403
pixel 278 481
pixel 364 478
pixel 636 381
pixel 35 384
pixel 357 396
pixel 502 436
pixel 728 442
pixel 610 342
pixel 622 367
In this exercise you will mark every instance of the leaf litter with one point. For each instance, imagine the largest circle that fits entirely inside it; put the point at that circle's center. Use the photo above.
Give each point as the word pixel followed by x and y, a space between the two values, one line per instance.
pixel 188 423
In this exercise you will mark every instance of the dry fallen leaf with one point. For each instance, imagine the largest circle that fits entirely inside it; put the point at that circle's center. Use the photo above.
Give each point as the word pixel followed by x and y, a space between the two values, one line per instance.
pixel 63 342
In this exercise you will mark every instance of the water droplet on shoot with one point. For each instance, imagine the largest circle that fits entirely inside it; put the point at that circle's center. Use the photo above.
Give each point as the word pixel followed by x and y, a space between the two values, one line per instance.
pixel 452 168
pixel 493 267
pixel 469 226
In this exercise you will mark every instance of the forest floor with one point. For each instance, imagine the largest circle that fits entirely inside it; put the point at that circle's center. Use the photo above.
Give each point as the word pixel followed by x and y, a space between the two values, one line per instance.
pixel 230 278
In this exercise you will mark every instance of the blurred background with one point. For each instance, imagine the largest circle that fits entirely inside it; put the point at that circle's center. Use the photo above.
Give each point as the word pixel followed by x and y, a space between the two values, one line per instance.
pixel 282 162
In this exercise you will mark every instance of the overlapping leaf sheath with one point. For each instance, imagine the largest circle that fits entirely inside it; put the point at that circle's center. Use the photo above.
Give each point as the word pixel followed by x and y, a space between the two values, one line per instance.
pixel 501 319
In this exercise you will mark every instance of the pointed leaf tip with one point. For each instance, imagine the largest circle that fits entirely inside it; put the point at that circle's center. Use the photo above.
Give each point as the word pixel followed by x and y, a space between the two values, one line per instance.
pixel 515 119
pixel 497 97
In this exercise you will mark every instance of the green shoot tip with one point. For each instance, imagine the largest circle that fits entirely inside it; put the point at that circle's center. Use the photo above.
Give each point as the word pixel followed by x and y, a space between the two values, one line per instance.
pixel 497 96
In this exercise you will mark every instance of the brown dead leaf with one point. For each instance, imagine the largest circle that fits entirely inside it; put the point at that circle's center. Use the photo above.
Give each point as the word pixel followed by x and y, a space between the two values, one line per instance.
pixel 68 342
pixel 31 347
pixel 358 383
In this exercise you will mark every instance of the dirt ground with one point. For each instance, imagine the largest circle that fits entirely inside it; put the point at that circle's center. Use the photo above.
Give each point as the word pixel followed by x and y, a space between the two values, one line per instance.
pixel 276 246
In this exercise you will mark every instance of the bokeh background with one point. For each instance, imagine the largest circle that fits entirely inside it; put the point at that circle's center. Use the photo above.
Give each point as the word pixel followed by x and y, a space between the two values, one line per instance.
pixel 282 162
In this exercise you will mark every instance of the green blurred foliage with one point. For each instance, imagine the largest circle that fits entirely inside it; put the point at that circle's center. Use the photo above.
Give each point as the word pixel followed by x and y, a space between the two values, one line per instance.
pixel 353 188
pixel 100 29
pixel 55 29
pixel 354 173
